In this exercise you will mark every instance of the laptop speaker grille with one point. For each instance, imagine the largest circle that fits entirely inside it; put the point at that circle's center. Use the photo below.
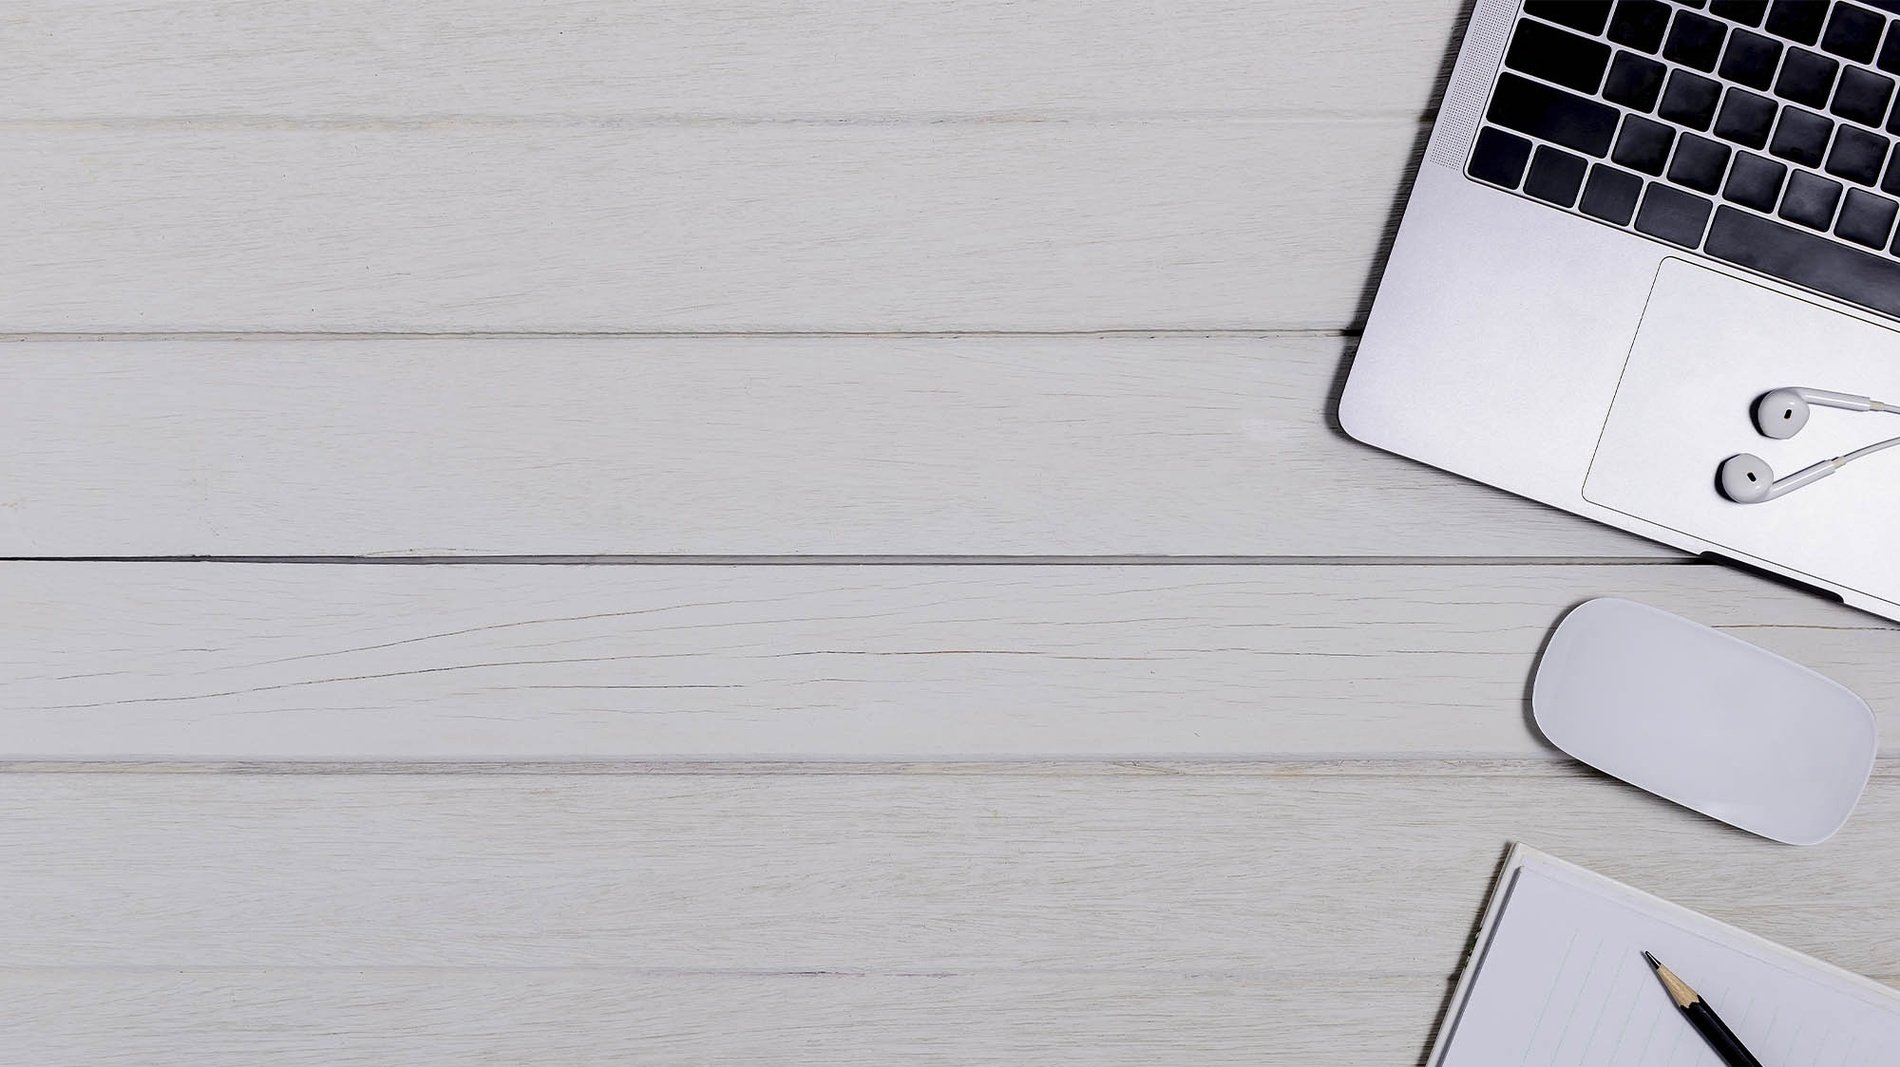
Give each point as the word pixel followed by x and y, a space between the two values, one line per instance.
pixel 1463 105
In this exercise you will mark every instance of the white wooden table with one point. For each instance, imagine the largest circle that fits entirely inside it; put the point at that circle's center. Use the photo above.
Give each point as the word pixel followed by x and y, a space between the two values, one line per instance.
pixel 759 533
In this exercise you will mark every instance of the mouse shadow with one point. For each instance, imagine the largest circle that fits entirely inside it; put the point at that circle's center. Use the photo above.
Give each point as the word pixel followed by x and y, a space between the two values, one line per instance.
pixel 1584 770
pixel 1580 769
pixel 1528 709
pixel 1363 307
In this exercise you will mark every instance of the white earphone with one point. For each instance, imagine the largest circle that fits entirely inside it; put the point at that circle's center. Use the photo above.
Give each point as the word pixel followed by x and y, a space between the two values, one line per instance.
pixel 1780 414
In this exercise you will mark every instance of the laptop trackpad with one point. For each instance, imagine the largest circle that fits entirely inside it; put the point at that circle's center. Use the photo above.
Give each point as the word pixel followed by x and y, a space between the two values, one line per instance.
pixel 1710 344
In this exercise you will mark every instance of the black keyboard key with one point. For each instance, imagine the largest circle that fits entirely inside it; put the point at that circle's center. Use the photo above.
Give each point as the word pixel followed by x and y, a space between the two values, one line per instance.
pixel 1810 200
pixel 1805 259
pixel 1673 215
pixel 1750 59
pixel 1853 33
pixel 1755 181
pixel 1699 163
pixel 1690 100
pixel 1806 78
pixel 1866 219
pixel 1694 41
pixel 1634 82
pixel 1890 182
pixel 1745 118
pixel 1499 158
pixel 1862 96
pixel 1611 194
pixel 1889 59
pixel 1746 12
pixel 1558 56
pixel 1643 145
pixel 1555 176
pixel 1639 24
pixel 1857 155
pixel 1585 15
pixel 1552 115
pixel 1797 20
pixel 1801 136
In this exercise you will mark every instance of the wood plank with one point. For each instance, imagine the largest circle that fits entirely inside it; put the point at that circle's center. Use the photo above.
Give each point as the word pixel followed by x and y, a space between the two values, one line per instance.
pixel 1278 879
pixel 510 1016
pixel 870 446
pixel 597 58
pixel 1190 224
pixel 329 662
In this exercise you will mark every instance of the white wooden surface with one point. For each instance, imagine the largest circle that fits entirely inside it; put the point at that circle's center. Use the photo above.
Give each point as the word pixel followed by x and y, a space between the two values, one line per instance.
pixel 882 346
pixel 295 661
pixel 796 445
pixel 1092 224
pixel 864 917
pixel 324 59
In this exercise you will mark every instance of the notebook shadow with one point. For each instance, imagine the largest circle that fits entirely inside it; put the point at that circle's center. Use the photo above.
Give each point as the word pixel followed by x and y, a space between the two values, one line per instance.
pixel 1504 852
pixel 1470 946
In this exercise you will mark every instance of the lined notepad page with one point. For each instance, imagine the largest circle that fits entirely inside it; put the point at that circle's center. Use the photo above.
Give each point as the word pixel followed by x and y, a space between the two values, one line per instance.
pixel 1562 983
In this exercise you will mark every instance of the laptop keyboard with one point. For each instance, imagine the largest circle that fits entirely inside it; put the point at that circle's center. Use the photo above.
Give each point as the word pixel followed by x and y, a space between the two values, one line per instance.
pixel 1760 134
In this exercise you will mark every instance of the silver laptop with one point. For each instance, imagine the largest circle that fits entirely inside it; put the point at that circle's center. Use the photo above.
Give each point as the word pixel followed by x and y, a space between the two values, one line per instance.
pixel 1633 222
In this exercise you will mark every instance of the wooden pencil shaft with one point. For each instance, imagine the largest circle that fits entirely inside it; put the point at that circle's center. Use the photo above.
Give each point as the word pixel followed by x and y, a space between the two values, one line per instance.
pixel 1678 989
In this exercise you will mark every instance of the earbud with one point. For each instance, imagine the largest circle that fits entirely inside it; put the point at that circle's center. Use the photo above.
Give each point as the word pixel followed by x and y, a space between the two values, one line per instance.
pixel 1781 413
pixel 1748 479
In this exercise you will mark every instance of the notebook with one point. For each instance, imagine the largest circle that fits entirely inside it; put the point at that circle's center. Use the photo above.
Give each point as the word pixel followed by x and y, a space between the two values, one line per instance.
pixel 1557 978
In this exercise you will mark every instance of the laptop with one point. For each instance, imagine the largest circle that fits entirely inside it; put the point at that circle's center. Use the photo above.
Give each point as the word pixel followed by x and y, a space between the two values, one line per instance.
pixel 1633 220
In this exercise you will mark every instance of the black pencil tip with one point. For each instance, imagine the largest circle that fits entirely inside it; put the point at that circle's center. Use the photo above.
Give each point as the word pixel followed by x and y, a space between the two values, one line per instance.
pixel 1651 959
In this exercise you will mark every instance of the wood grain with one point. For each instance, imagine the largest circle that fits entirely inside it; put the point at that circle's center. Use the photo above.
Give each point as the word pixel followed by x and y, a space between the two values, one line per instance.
pixel 327 662
pixel 1189 224
pixel 654 876
pixel 515 1016
pixel 794 445
pixel 1279 879
pixel 753 58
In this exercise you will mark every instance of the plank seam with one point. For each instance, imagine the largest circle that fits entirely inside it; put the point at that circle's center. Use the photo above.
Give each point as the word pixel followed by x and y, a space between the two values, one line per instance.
pixel 1291 767
pixel 1211 333
pixel 905 561
pixel 432 122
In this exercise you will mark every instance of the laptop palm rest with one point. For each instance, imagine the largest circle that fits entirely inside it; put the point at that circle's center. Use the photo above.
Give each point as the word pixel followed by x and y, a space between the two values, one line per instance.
pixel 1708 346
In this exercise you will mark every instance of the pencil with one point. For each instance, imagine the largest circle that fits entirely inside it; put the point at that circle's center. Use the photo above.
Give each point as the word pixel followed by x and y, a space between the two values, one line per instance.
pixel 1703 1018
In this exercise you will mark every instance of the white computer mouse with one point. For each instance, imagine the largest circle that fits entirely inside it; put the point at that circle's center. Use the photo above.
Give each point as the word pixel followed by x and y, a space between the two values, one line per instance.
pixel 1704 719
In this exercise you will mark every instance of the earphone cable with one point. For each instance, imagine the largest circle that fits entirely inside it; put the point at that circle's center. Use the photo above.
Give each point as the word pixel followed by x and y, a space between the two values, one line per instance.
pixel 1842 461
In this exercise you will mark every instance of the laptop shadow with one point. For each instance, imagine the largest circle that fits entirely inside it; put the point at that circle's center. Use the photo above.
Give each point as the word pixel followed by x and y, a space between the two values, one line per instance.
pixel 1390 230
